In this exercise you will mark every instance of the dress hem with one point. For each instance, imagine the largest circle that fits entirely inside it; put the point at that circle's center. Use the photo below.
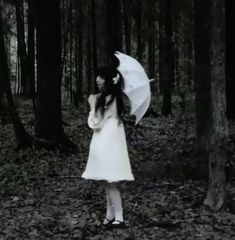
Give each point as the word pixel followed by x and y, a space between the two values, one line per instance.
pixel 87 177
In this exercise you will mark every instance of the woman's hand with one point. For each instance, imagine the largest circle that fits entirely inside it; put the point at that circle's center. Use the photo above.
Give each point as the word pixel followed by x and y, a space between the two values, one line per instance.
pixel 92 100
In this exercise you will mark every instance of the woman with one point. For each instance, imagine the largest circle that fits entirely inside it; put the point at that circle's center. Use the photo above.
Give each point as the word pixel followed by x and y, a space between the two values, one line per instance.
pixel 108 159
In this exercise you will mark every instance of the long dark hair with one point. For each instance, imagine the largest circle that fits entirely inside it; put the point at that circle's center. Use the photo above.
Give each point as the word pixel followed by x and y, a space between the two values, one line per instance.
pixel 110 88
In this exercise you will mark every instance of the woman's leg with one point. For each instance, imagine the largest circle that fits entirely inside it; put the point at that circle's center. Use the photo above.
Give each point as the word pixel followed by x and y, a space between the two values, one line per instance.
pixel 109 210
pixel 116 200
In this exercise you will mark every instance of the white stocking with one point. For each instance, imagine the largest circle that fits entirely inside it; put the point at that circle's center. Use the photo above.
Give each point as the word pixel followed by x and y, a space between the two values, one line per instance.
pixel 116 201
pixel 110 210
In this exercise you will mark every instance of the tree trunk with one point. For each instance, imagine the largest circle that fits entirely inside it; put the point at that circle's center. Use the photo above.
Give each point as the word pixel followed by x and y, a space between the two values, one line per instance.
pixel 76 54
pixel 202 73
pixel 49 117
pixel 100 36
pixel 167 57
pixel 161 44
pixel 127 25
pixel 114 26
pixel 89 63
pixel 90 66
pixel 210 95
pixel 65 20
pixel 190 59
pixel 230 55
pixel 151 39
pixel 177 51
pixel 70 79
pixel 23 139
pixel 187 49
pixel 31 46
pixel 80 53
pixel 18 75
pixel 22 48
pixel 107 23
pixel 139 23
pixel 202 83
pixel 218 129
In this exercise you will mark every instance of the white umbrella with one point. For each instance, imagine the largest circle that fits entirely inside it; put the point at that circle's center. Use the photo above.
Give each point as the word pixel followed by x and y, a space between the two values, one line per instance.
pixel 136 81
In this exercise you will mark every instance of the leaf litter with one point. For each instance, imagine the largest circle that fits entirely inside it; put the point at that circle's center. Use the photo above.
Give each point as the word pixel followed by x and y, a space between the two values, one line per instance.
pixel 49 200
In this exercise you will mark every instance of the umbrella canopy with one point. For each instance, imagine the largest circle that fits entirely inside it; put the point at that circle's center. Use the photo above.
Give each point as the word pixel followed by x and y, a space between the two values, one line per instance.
pixel 136 84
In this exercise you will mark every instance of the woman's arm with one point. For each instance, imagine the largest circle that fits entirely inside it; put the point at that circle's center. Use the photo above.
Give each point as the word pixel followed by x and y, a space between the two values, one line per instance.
pixel 95 118
pixel 92 100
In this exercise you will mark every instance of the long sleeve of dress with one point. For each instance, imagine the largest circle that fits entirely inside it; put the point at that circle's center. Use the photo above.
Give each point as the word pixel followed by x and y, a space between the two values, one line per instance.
pixel 95 118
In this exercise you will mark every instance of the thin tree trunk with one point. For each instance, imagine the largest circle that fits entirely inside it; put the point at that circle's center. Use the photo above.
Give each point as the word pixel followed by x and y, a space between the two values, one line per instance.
pixel 190 59
pixel 80 52
pixel 70 79
pixel 31 46
pixel 94 41
pixel 23 139
pixel 18 75
pixel 76 54
pixel 177 54
pixel 184 53
pixel 168 59
pixel 22 48
pixel 100 31
pixel 230 55
pixel 90 68
pixel 139 29
pixel 161 44
pixel 65 37
pixel 127 25
pixel 114 30
pixel 202 73
pixel 89 63
pixel 187 50
pixel 151 40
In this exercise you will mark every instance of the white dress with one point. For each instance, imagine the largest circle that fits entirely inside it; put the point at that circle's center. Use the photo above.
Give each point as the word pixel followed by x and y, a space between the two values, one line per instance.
pixel 108 156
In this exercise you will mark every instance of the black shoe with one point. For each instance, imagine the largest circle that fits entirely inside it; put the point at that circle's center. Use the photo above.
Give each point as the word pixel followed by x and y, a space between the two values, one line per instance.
pixel 117 224
pixel 109 222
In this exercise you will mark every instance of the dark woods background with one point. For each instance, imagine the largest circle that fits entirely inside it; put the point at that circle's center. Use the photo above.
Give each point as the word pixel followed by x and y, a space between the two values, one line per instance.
pixel 49 52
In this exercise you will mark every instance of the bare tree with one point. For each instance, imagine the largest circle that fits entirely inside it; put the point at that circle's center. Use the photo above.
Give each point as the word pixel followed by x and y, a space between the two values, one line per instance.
pixel 212 127
pixel 107 28
pixel 166 55
pixel 21 45
pixel 22 137
pixel 218 134
pixel 230 54
pixel 79 50
pixel 49 116
pixel 139 28
pixel 126 4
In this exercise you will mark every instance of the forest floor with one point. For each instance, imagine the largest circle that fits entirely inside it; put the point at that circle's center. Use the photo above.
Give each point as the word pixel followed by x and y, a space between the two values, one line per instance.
pixel 44 197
